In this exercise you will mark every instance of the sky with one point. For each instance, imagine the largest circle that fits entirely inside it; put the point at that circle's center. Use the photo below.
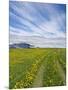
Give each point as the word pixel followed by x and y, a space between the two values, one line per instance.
pixel 37 20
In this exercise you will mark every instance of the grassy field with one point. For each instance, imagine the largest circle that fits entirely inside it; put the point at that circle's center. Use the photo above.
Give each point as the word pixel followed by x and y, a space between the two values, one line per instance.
pixel 37 67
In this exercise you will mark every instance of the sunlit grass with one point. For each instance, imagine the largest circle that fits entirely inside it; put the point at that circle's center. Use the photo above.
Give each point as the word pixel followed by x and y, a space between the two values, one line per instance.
pixel 24 65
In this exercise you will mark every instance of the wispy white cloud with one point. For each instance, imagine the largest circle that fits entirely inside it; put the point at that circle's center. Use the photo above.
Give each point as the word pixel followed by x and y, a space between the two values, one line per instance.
pixel 38 41
pixel 38 19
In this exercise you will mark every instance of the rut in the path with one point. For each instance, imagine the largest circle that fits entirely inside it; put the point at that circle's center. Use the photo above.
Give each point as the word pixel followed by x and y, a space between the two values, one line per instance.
pixel 38 82
pixel 60 71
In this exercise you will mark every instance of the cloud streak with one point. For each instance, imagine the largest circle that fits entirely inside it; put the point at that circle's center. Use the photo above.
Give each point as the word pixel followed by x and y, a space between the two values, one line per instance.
pixel 37 19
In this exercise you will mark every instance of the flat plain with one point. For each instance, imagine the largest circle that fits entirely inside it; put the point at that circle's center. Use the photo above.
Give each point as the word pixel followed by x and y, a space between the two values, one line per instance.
pixel 37 67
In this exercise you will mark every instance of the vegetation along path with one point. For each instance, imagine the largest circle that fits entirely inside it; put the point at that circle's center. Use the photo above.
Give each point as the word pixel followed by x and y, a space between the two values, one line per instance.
pixel 37 67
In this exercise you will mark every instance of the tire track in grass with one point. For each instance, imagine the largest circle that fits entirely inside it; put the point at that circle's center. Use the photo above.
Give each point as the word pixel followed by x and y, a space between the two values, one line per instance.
pixel 39 78
pixel 60 68
pixel 61 71
pixel 38 82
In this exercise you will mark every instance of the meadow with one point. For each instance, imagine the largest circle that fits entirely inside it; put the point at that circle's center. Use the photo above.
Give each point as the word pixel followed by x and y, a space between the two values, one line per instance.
pixel 37 67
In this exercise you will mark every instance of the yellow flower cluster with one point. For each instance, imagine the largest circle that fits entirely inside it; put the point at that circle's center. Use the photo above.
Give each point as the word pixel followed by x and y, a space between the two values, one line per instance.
pixel 30 75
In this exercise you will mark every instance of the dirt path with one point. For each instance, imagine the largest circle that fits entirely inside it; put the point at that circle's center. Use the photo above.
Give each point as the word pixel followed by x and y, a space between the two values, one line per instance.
pixel 38 82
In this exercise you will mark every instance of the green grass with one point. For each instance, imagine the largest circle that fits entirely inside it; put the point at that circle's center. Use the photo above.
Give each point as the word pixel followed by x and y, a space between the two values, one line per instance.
pixel 26 66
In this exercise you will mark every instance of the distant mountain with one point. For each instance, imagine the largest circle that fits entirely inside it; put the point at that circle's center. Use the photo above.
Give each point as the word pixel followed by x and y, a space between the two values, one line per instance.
pixel 39 41
pixel 20 45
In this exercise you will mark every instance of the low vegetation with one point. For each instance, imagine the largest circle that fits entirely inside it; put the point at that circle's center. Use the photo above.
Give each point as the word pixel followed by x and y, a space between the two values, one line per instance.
pixel 36 67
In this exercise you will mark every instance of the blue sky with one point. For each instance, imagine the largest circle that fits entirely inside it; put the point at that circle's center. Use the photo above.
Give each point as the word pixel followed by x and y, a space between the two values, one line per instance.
pixel 37 19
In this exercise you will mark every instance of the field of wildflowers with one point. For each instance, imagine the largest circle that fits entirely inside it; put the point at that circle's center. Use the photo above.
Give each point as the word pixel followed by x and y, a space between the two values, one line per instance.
pixel 24 65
